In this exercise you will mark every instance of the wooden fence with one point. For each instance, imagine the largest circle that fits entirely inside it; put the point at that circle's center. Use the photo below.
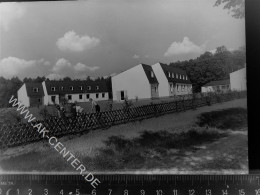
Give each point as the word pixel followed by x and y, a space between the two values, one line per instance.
pixel 22 133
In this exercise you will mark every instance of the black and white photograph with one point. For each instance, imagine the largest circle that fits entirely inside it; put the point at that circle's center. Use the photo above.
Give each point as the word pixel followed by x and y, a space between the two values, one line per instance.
pixel 123 87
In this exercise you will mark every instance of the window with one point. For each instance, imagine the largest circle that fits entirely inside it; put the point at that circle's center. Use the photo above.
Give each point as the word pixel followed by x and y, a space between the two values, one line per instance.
pixel 178 88
pixel 186 77
pixel 97 95
pixel 69 97
pixel 53 97
pixel 61 88
pixel 97 87
pixel 87 96
pixel 81 88
pixel 80 96
pixel 53 88
pixel 177 76
pixel 71 88
pixel 39 99
pixel 171 87
pixel 88 87
pixel 172 75
pixel 35 89
pixel 169 74
pixel 103 95
pixel 152 74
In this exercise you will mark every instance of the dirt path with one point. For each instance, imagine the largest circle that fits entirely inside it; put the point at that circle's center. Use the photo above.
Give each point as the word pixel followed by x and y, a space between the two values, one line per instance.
pixel 86 144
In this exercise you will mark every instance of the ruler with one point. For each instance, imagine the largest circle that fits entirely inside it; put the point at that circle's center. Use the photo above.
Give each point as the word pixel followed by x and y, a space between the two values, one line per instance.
pixel 131 185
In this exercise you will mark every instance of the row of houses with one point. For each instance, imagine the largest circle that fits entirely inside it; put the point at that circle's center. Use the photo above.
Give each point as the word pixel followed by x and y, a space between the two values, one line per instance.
pixel 139 82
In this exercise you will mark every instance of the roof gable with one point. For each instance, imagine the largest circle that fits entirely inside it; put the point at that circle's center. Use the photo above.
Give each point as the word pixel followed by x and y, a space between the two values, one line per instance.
pixel 32 92
pixel 148 69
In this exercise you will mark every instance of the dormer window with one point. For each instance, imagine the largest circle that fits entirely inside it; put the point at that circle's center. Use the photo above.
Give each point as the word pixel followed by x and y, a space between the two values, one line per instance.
pixel 152 74
pixel 88 87
pixel 35 89
pixel 172 75
pixel 81 88
pixel 97 87
pixel 71 88
pixel 61 88
pixel 186 78
pixel 183 77
pixel 177 76
pixel 169 74
pixel 53 89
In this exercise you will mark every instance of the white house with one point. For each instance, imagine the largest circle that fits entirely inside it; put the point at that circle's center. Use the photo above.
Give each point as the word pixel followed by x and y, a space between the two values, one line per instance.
pixel 172 81
pixel 216 86
pixel 74 91
pixel 238 80
pixel 31 94
pixel 138 82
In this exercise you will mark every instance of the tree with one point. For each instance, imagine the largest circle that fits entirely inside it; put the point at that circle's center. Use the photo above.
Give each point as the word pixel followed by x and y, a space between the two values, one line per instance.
pixel 237 7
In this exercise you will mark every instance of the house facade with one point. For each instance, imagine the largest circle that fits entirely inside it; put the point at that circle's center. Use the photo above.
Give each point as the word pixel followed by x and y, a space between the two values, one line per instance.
pixel 31 94
pixel 54 92
pixel 138 82
pixel 74 91
pixel 216 86
pixel 238 80
pixel 172 81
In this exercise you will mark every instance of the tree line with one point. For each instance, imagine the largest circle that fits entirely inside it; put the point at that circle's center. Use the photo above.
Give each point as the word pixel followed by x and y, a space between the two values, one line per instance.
pixel 212 66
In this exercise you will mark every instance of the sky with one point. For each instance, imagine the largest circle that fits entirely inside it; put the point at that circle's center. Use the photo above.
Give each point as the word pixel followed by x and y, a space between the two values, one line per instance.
pixel 101 38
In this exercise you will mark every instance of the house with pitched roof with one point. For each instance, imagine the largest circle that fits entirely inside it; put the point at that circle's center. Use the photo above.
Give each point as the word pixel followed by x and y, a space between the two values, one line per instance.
pixel 31 94
pixel 216 86
pixel 138 82
pixel 74 91
pixel 172 81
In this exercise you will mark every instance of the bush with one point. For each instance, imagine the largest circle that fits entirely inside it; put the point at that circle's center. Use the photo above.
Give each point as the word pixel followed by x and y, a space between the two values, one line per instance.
pixel 232 118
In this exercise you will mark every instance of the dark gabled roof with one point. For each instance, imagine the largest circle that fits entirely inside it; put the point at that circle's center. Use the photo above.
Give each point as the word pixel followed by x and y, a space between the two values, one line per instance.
pixel 76 87
pixel 148 69
pixel 166 68
pixel 215 83
pixel 31 93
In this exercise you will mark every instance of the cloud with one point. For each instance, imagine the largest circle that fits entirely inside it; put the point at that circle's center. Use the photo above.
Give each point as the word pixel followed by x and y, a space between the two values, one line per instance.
pixel 73 42
pixel 64 67
pixel 9 12
pixel 136 56
pixel 184 47
pixel 61 66
pixel 12 66
pixel 82 67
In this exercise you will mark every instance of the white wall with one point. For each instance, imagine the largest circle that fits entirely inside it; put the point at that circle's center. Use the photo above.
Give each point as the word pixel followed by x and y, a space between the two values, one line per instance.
pixel 56 99
pixel 164 87
pixel 23 96
pixel 75 97
pixel 238 80
pixel 187 89
pixel 45 97
pixel 134 81
pixel 207 89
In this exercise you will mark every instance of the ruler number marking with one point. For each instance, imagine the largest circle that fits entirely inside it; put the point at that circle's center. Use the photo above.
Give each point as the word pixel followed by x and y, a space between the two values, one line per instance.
pixel 241 192
pixel 142 192
pixel 224 192
pixel 257 192
pixel 94 192
pixel 109 191
pixel 175 192
pixel 45 191
pixel 192 192
pixel 159 192
pixel 208 192
pixel 125 192
pixel 30 191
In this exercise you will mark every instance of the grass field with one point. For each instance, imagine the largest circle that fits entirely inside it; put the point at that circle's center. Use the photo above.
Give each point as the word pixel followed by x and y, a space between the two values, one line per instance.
pixel 175 143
